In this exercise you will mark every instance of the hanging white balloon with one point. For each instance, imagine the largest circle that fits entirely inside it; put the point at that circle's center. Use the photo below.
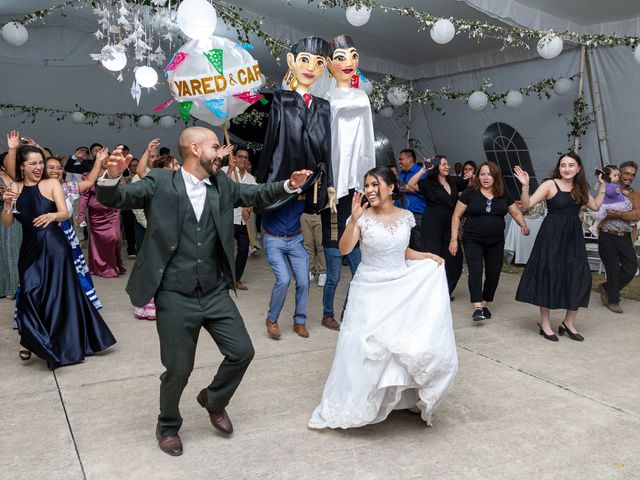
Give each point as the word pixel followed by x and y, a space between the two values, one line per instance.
pixel 146 76
pixel 15 33
pixel 478 100
pixel 636 54
pixel 397 96
pixel 443 31
pixel 145 121
pixel 113 58
pixel 386 112
pixel 167 121
pixel 366 86
pixel 514 99
pixel 562 86
pixel 196 18
pixel 550 46
pixel 358 16
pixel 77 117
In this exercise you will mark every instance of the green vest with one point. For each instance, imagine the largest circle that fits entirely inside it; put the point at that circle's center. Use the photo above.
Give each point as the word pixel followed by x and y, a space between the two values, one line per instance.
pixel 198 257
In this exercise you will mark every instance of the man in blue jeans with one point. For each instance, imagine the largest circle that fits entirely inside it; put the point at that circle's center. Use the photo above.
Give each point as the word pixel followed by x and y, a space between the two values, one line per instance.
pixel 333 225
pixel 284 248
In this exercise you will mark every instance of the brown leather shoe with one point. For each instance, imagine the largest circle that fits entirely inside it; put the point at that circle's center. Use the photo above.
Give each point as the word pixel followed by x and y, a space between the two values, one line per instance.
pixel 604 296
pixel 241 286
pixel 301 330
pixel 272 329
pixel 169 444
pixel 614 307
pixel 221 420
pixel 330 323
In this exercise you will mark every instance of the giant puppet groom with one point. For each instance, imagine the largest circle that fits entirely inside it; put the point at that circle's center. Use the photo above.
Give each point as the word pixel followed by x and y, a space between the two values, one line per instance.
pixel 299 131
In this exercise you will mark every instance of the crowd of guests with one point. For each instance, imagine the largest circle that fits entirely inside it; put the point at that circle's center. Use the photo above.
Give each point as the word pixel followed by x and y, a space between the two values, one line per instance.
pixel 457 215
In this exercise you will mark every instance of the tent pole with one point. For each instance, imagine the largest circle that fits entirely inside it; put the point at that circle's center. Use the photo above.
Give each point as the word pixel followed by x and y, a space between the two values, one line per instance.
pixel 596 101
pixel 409 121
pixel 583 60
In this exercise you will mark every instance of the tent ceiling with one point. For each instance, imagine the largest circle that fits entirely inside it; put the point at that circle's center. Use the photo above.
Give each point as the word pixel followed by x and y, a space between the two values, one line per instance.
pixel 389 44
pixel 587 12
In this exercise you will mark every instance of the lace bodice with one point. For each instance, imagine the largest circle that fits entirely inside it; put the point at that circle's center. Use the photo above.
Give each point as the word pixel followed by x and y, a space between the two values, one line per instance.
pixel 384 239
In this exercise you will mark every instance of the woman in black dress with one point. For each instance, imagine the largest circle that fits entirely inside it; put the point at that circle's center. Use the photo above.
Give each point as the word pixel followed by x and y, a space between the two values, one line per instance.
pixel 441 191
pixel 56 320
pixel 557 274
pixel 484 205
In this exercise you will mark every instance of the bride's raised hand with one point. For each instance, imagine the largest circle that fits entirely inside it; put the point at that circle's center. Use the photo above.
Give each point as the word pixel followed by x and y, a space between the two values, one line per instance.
pixel 357 207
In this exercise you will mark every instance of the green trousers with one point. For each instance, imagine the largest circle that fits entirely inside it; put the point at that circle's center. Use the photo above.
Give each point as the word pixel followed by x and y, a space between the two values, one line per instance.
pixel 179 319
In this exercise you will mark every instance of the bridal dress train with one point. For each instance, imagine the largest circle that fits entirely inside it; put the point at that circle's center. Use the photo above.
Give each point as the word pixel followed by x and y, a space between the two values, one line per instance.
pixel 396 348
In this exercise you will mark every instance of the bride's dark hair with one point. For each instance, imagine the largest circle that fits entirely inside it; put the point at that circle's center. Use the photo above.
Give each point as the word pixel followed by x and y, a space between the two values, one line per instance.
pixel 387 176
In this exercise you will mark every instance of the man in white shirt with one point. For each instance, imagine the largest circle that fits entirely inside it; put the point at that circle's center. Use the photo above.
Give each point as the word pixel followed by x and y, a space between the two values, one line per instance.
pixel 239 174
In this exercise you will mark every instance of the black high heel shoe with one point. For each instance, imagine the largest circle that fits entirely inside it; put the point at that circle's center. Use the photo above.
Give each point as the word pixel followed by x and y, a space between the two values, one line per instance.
pixel 562 329
pixel 24 355
pixel 553 337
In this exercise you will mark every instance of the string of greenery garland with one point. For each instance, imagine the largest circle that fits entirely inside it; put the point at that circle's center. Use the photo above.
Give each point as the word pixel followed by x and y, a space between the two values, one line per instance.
pixel 513 36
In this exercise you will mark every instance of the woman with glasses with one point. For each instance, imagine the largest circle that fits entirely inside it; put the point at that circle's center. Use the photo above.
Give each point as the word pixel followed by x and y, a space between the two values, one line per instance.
pixel 485 205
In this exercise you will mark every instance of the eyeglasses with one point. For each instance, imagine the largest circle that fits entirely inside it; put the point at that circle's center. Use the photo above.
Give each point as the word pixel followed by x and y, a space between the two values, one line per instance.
pixel 488 209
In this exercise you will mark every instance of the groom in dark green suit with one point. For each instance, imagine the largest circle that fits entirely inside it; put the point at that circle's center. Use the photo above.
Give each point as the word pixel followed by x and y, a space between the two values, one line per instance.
pixel 186 263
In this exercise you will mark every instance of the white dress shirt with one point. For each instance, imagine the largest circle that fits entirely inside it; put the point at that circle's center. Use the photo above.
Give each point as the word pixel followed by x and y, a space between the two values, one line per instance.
pixel 197 191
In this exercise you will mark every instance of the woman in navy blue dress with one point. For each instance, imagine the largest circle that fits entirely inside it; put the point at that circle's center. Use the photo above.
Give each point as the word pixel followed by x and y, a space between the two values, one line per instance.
pixel 56 320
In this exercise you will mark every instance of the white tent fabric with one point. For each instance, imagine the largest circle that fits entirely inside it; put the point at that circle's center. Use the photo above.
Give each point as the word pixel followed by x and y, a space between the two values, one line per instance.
pixel 621 18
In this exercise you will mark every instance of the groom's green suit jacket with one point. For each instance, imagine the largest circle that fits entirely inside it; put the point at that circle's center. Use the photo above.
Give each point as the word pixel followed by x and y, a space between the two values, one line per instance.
pixel 163 196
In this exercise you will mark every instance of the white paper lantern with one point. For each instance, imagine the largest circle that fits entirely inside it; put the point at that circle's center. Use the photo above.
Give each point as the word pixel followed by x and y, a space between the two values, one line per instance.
pixel 514 99
pixel 366 86
pixel 562 86
pixel 386 112
pixel 636 54
pixel 145 121
pixel 358 16
pixel 196 18
pixel 167 121
pixel 15 33
pixel 397 96
pixel 77 117
pixel 443 31
pixel 114 58
pixel 550 46
pixel 478 100
pixel 146 76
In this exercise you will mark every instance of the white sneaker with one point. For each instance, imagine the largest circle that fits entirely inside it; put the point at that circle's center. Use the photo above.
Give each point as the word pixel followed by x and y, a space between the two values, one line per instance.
pixel 311 277
pixel 322 279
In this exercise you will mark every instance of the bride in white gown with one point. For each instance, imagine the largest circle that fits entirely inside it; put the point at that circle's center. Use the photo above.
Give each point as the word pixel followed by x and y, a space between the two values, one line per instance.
pixel 396 348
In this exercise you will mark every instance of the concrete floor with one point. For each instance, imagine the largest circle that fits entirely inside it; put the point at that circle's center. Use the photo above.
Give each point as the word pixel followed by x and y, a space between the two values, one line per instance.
pixel 522 407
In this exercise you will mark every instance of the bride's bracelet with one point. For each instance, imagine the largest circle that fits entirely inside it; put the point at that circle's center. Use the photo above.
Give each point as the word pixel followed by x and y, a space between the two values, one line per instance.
pixel 525 189
pixel 8 209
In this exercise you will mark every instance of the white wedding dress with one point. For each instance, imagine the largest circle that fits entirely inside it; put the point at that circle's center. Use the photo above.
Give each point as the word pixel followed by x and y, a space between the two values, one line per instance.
pixel 396 347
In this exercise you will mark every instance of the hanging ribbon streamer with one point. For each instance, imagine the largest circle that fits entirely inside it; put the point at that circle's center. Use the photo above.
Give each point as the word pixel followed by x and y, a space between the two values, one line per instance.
pixel 215 58
pixel 164 105
pixel 246 46
pixel 249 97
pixel 177 59
pixel 216 105
pixel 185 110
